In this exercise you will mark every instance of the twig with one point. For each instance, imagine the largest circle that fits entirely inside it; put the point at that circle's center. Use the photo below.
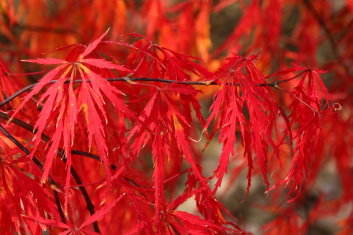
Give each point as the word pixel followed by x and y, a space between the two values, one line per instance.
pixel 126 79
pixel 291 78
pixel 89 204
pixel 46 138
pixel 40 166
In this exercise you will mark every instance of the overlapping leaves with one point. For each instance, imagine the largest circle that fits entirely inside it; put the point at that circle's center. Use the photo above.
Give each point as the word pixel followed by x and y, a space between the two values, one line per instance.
pixel 62 102
pixel 75 94
pixel 241 105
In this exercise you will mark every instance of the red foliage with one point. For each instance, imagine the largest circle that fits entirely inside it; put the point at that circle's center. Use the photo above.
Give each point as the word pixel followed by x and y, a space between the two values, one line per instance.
pixel 103 138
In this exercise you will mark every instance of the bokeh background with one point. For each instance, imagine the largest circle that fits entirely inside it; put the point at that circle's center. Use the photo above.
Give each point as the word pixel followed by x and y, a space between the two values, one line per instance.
pixel 312 33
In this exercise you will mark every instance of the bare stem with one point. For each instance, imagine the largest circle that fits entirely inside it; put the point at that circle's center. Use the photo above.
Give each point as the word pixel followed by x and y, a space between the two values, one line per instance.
pixel 128 79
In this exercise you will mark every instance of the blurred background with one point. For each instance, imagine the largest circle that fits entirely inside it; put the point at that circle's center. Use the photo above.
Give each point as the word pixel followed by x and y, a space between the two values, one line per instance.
pixel 312 33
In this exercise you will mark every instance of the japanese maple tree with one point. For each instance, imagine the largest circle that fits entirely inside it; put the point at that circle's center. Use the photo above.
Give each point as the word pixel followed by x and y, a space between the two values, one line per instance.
pixel 159 116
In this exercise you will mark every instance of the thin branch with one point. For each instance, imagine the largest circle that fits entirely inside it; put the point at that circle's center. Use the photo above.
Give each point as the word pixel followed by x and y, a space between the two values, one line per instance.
pixel 17 93
pixel 128 79
pixel 46 138
pixel 291 78
pixel 89 204
pixel 40 166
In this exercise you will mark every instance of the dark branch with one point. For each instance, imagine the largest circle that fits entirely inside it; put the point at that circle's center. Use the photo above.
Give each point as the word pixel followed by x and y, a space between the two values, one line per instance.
pixel 128 79
pixel 46 138
pixel 40 166
pixel 89 204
